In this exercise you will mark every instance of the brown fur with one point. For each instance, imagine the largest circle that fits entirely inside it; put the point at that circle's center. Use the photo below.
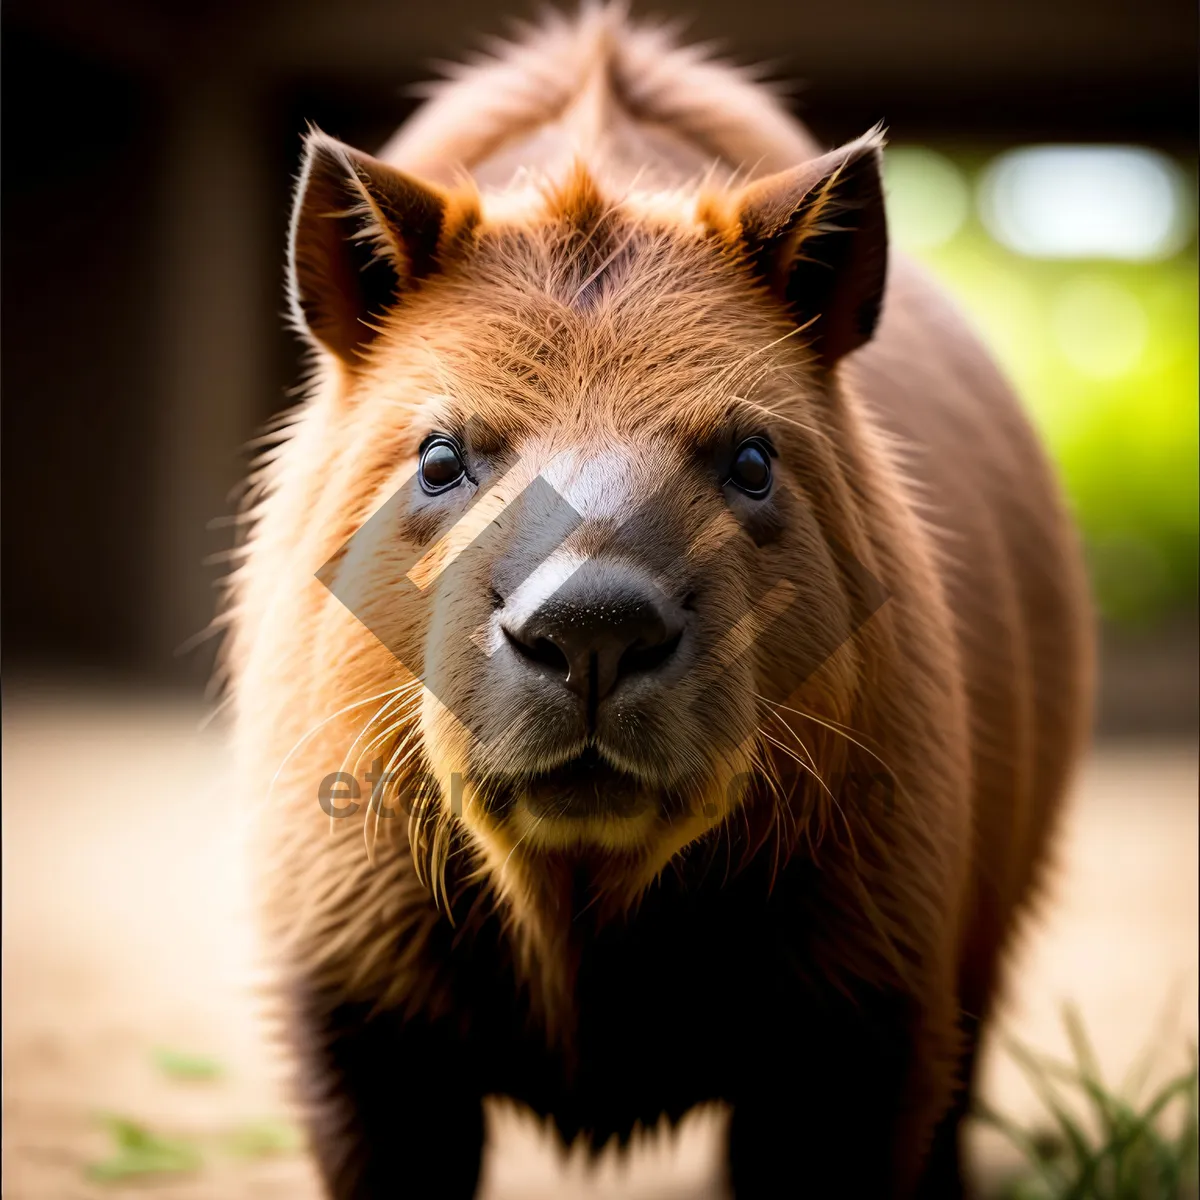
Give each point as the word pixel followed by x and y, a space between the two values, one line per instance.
pixel 792 931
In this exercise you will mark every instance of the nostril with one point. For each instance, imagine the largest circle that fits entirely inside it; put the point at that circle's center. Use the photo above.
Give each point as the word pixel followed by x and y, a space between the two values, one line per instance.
pixel 542 651
pixel 639 658
pixel 547 653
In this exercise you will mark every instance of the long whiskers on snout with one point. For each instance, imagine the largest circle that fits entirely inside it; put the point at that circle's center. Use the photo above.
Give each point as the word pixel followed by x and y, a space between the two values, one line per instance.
pixel 306 737
pixel 850 736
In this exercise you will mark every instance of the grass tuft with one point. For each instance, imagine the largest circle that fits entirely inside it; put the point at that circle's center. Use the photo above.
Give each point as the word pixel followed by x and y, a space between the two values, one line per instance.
pixel 1104 1144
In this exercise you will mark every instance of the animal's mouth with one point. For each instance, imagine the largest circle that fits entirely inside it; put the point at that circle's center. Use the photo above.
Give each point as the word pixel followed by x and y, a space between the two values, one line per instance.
pixel 587 785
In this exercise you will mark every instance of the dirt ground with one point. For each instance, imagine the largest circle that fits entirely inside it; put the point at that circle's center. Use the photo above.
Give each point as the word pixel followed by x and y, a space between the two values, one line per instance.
pixel 125 930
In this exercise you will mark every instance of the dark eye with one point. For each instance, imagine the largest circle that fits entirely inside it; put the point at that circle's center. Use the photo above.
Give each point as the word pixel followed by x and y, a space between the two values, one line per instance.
pixel 442 465
pixel 751 470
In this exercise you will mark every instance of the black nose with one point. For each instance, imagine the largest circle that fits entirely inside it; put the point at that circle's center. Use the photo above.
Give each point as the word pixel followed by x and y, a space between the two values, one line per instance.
pixel 606 622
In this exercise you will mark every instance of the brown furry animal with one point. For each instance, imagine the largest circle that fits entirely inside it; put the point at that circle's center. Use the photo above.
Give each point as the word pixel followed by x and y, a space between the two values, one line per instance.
pixel 703 607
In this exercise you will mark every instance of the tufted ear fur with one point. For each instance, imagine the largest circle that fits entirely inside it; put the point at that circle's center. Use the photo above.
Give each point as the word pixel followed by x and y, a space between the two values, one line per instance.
pixel 817 236
pixel 363 234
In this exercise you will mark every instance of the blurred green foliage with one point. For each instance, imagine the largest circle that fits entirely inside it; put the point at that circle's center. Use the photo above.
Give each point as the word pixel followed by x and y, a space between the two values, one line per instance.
pixel 1103 1143
pixel 140 1151
pixel 1104 354
pixel 178 1064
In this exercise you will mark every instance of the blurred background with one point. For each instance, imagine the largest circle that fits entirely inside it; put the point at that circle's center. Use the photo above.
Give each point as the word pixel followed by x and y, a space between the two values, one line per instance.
pixel 1042 162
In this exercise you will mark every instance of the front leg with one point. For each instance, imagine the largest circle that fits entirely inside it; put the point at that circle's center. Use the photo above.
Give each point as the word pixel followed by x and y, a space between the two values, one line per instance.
pixel 822 1143
pixel 392 1111
pixel 841 1108
pixel 779 1149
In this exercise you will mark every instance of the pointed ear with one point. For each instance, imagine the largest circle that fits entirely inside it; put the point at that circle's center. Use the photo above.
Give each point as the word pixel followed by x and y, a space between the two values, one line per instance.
pixel 363 234
pixel 817 236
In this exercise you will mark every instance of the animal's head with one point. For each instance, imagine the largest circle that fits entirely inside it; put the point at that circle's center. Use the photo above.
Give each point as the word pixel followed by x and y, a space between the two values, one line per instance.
pixel 585 475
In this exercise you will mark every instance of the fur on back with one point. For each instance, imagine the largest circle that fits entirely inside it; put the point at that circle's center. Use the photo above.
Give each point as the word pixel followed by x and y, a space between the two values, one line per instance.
pixel 599 86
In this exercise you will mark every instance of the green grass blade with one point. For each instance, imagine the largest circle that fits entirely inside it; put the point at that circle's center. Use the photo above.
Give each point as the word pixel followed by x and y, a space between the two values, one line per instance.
pixel 178 1065
pixel 1107 1108
pixel 1034 1070
pixel 139 1151
pixel 1187 1144
pixel 1143 1068
pixel 263 1139
pixel 1138 1147
pixel 1045 1168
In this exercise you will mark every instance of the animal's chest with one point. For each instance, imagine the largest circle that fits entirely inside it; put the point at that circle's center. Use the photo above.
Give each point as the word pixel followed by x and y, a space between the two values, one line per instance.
pixel 661 1015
